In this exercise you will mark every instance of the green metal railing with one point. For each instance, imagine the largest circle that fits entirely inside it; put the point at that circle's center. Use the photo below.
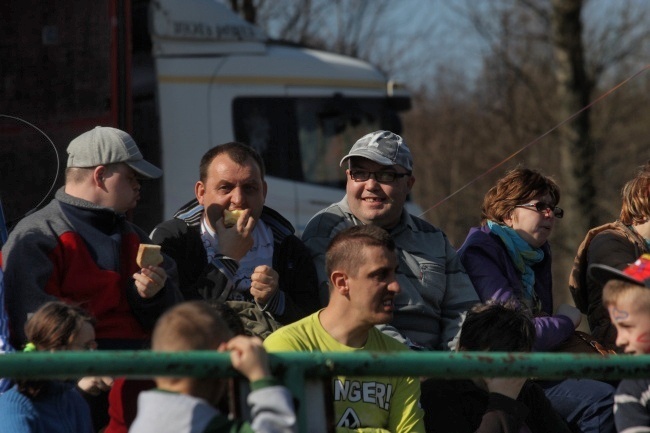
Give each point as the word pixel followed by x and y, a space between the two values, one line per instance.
pixel 294 368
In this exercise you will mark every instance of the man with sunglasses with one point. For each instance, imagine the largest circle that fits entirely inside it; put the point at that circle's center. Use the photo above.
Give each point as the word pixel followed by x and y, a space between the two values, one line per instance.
pixel 435 290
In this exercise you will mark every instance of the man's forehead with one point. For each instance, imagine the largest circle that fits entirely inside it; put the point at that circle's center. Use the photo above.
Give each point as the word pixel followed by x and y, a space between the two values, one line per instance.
pixel 379 252
pixel 225 164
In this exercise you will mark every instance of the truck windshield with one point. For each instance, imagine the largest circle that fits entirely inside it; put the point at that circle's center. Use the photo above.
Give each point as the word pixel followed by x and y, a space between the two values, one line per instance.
pixel 304 139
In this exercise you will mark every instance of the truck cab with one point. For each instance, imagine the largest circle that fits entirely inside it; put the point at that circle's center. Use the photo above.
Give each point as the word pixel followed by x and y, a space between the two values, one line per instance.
pixel 183 76
pixel 221 79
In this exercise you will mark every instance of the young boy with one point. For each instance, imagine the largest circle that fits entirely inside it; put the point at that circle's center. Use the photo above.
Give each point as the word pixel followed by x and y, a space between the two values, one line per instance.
pixel 491 405
pixel 184 405
pixel 627 299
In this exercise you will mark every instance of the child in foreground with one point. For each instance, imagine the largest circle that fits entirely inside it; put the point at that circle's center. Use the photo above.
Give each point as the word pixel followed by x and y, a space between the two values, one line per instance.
pixel 626 296
pixel 53 406
pixel 183 405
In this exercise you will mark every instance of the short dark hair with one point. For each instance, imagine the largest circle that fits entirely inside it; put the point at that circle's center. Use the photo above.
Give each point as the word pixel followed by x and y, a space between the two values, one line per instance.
pixel 497 327
pixel 238 152
pixel 516 187
pixel 343 250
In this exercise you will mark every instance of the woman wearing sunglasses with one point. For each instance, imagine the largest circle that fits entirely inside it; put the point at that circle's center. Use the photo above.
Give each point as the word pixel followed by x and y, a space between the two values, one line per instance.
pixel 509 257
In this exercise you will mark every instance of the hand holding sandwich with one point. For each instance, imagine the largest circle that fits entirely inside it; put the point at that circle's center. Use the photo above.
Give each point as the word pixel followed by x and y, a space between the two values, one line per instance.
pixel 151 278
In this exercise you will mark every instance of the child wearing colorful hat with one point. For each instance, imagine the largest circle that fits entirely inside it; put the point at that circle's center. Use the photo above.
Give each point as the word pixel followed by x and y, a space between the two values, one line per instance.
pixel 626 296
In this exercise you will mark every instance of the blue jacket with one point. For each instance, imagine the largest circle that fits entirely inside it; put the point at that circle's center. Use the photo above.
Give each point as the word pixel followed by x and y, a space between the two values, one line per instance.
pixel 58 409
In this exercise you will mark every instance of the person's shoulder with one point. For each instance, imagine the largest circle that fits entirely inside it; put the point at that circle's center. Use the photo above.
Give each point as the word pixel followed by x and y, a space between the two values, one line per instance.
pixel 41 218
pixel 326 222
pixel 291 336
pixel 40 229
pixel 610 235
pixel 173 225
pixel 421 224
pixel 279 225
pixel 478 237
pixel 12 399
pixel 633 387
pixel 387 343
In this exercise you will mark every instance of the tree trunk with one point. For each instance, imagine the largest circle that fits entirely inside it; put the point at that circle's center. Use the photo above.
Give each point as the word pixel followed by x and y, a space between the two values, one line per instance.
pixel 576 149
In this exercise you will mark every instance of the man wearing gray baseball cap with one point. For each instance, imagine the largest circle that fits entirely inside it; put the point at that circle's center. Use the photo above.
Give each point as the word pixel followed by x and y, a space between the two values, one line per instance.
pixel 80 247
pixel 435 290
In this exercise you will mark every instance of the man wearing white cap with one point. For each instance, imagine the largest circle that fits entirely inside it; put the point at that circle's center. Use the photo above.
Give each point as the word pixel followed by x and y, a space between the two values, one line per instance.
pixel 435 288
pixel 81 249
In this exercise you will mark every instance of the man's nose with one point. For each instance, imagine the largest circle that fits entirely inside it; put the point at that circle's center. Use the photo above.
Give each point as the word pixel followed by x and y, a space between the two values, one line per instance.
pixel 371 183
pixel 237 198
pixel 394 287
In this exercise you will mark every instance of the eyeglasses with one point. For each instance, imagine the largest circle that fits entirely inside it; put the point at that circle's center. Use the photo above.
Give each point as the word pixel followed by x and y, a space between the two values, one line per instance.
pixel 380 176
pixel 544 208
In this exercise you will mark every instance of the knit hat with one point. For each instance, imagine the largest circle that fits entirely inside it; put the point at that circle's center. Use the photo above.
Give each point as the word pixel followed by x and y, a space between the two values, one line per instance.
pixel 637 273
pixel 382 147
pixel 104 145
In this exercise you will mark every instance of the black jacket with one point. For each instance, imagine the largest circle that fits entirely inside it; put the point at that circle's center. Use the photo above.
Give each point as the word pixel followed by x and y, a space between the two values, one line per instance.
pixel 180 239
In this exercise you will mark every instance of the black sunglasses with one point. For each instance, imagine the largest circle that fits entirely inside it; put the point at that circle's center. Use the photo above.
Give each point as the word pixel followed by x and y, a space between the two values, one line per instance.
pixel 543 207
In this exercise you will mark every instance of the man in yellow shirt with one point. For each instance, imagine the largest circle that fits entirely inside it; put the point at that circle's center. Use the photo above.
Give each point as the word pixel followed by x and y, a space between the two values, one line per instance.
pixel 361 263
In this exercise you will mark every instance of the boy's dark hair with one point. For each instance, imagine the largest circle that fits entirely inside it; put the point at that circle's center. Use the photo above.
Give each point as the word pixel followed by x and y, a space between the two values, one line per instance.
pixel 343 250
pixel 497 327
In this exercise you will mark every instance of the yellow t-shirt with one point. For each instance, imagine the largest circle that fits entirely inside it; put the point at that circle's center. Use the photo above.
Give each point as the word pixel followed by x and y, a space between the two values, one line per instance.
pixel 390 403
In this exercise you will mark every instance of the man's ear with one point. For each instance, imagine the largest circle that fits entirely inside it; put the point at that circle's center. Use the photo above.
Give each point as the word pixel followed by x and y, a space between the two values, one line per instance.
pixel 339 282
pixel 199 191
pixel 410 182
pixel 99 175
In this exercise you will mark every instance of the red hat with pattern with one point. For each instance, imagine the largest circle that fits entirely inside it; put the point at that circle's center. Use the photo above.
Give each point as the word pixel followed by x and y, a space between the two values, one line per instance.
pixel 637 273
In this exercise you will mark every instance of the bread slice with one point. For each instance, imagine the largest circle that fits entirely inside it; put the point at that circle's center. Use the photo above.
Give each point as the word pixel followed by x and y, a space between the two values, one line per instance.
pixel 230 217
pixel 148 255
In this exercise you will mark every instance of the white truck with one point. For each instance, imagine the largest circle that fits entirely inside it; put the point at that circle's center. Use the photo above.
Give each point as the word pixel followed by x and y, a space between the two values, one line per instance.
pixel 185 75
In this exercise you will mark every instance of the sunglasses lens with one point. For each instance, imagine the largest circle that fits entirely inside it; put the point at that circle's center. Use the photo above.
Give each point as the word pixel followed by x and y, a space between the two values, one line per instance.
pixel 545 208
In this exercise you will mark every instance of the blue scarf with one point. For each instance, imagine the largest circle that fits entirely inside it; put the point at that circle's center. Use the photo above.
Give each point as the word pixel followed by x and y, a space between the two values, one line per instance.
pixel 523 256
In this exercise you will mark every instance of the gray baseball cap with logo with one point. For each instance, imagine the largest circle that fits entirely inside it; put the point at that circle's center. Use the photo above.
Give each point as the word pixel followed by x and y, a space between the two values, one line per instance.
pixel 382 147
pixel 104 145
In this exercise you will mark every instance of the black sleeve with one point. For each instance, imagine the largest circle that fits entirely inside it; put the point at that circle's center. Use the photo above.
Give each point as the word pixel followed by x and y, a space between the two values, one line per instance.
pixel 147 310
pixel 298 280
pixel 198 279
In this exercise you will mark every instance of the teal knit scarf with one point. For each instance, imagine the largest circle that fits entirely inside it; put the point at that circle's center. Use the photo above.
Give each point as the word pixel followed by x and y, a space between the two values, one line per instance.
pixel 523 256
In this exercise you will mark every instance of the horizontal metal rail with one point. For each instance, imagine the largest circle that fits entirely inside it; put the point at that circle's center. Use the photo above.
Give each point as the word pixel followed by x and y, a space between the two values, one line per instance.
pixel 448 365
pixel 295 369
